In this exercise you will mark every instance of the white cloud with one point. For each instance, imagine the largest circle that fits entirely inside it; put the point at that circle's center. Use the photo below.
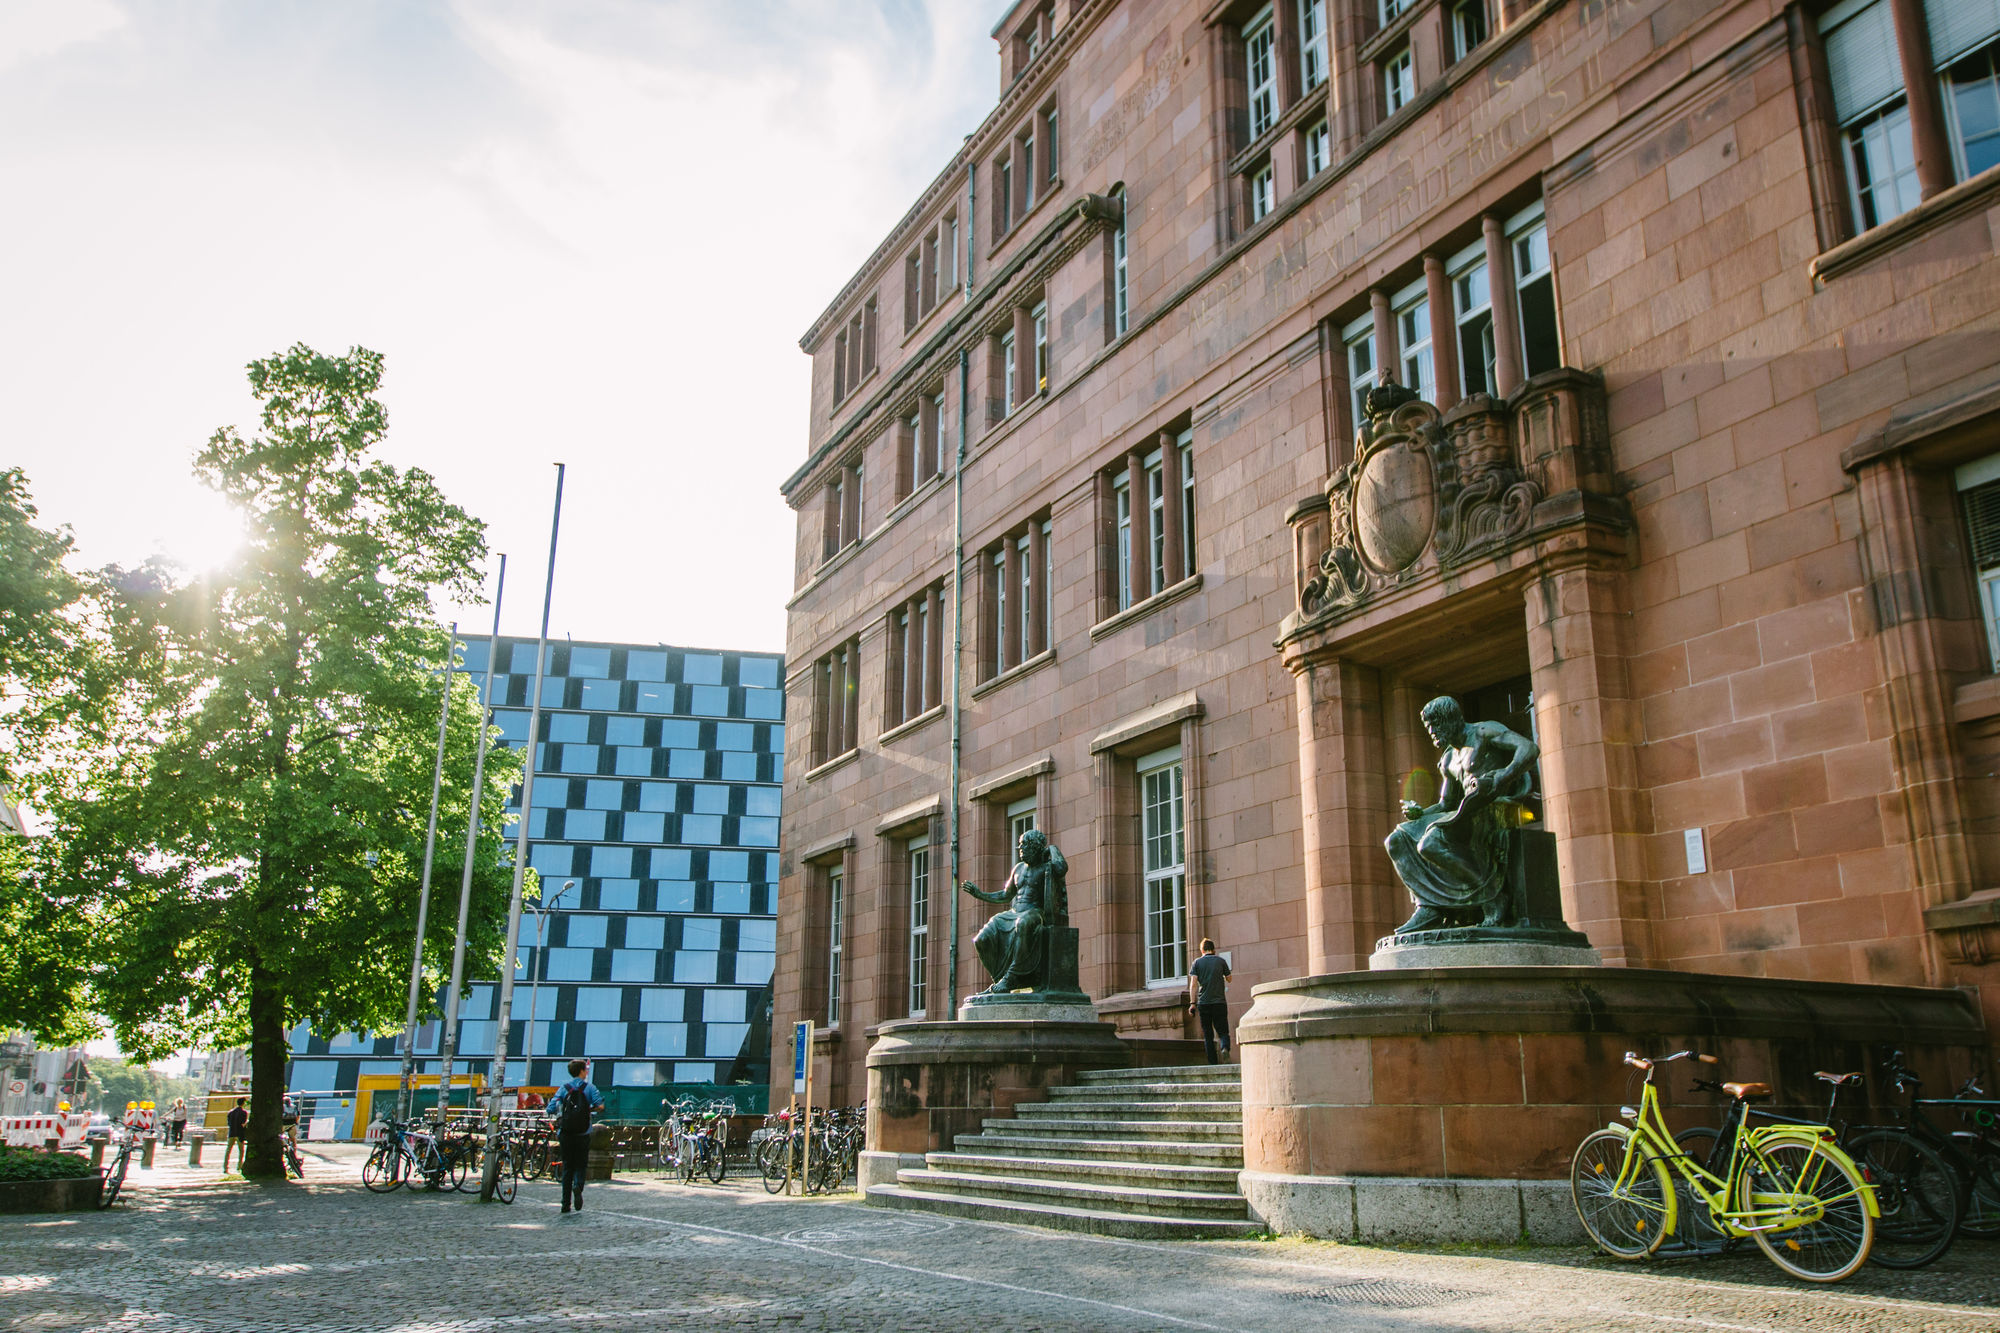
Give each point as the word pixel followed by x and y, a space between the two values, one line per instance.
pixel 33 29
pixel 587 232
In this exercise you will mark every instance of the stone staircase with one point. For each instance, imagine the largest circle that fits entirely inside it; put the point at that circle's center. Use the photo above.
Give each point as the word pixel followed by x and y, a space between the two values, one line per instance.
pixel 1149 1153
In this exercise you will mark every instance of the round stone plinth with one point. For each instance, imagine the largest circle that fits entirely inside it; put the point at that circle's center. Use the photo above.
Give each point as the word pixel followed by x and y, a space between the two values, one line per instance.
pixel 1027 1007
pixel 1525 953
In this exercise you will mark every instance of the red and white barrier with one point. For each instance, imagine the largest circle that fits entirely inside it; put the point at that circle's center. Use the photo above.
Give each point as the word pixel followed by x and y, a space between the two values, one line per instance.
pixel 31 1131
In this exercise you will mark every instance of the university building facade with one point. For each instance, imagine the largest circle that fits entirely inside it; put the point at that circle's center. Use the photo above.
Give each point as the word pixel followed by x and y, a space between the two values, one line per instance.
pixel 1697 482
pixel 657 793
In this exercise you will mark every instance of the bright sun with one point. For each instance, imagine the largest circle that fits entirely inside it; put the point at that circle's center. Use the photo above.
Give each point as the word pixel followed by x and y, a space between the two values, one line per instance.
pixel 199 530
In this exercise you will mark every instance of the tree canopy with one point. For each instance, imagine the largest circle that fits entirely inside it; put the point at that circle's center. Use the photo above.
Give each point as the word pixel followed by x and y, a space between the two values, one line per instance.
pixel 242 831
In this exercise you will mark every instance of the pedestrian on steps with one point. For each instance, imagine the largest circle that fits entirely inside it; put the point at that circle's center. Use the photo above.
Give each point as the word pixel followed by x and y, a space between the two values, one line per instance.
pixel 569 1113
pixel 1208 997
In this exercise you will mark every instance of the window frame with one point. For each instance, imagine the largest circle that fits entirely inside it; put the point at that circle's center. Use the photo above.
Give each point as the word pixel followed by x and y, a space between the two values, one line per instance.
pixel 1121 314
pixel 1357 335
pixel 1399 79
pixel 1416 356
pixel 836 925
pixel 1473 320
pixel 1260 45
pixel 917 858
pixel 1263 192
pixel 1318 142
pixel 1460 31
pixel 1520 230
pixel 1163 887
pixel 1313 46
pixel 1007 362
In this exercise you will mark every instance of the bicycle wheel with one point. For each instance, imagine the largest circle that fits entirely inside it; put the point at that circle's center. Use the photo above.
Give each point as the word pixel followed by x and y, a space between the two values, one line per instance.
pixel 1918 1193
pixel 507 1182
pixel 1817 1181
pixel 1695 1224
pixel 684 1158
pixel 383 1171
pixel 714 1163
pixel 113 1180
pixel 458 1168
pixel 1980 1165
pixel 771 1164
pixel 1628 1222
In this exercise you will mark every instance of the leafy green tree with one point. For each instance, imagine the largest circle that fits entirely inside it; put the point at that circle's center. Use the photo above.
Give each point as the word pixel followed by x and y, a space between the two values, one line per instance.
pixel 113 1083
pixel 245 835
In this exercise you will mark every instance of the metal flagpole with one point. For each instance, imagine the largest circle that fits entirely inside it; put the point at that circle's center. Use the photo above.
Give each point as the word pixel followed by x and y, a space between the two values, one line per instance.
pixel 448 1041
pixel 957 651
pixel 424 893
pixel 504 1035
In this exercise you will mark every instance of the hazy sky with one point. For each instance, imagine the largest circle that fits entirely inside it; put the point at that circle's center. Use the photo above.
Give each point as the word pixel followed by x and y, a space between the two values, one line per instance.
pixel 587 231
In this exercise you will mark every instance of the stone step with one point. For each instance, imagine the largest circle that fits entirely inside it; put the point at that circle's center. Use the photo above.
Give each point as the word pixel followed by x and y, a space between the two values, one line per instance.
pixel 1098 1221
pixel 1153 1175
pixel 1216 1152
pixel 1128 1109
pixel 1187 1092
pixel 1171 1130
pixel 1147 1199
pixel 1164 1074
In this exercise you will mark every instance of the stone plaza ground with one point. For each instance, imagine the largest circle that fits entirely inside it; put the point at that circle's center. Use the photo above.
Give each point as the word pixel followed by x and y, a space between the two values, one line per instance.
pixel 186 1250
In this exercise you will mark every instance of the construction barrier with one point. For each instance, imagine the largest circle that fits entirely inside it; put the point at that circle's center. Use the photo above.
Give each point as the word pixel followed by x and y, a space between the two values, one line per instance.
pixel 31 1131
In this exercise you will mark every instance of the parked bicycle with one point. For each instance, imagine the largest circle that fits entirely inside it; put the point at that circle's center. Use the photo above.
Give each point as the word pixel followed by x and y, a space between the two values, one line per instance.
pixel 703 1144
pixel 126 1143
pixel 1786 1186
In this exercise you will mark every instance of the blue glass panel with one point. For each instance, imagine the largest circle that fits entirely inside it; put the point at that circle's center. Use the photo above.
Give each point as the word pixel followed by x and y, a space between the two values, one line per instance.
pixel 729 865
pixel 601 695
pixel 686 764
pixel 676 895
pixel 692 965
pixel 701 669
pixel 670 863
pixel 618 895
pixel 761 800
pixel 513 723
pixel 632 964
pixel 612 861
pixel 662 1005
pixel 635 1074
pixel 776 743
pixel 624 731
pixel 709 701
pixel 604 795
pixel 604 1039
pixel 522 662
pixel 725 1039
pixel 694 1071
pixel 757 671
pixel 641 826
pixel 552 691
pixel 763 703
pixel 754 969
pixel 681 734
pixel 724 1006
pixel 551 858
pixel 472 655
pixel 645 932
pixel 710 799
pixel 732 899
pixel 583 825
pixel 757 936
pixel 658 795
pixel 634 761
pixel 569 727
pixel 666 1039
pixel 589 661
pixel 586 932
pixel 757 832
pixel 701 932
pixel 598 1003
pixel 735 736
pixel 645 666
pixel 701 828
pixel 739 766
pixel 579 758
pixel 568 965
pixel 655 699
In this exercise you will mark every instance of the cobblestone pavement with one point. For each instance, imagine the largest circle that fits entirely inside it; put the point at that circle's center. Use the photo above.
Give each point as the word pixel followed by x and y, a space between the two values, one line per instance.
pixel 185 1251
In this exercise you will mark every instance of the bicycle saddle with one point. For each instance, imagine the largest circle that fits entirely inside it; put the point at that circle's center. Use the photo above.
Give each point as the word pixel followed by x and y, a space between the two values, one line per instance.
pixel 1838 1080
pixel 1744 1092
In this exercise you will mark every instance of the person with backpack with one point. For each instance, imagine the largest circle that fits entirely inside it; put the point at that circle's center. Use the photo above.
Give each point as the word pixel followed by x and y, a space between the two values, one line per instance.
pixel 569 1115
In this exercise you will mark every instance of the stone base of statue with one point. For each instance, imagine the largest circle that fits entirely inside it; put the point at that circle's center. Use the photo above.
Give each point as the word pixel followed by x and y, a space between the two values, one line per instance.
pixel 1060 999
pixel 1535 934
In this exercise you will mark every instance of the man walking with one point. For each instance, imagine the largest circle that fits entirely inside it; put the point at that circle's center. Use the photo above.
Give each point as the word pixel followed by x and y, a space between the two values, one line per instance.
pixel 570 1111
pixel 239 1135
pixel 1208 997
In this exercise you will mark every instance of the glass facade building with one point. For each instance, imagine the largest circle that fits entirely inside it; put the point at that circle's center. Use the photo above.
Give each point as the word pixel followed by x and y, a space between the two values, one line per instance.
pixel 657 777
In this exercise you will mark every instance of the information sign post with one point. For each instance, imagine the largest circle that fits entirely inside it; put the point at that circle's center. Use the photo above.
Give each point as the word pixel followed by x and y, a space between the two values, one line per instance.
pixel 802 1085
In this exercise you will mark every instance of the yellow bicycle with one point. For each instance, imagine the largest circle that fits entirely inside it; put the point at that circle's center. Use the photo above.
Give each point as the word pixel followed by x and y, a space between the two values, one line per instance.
pixel 1787 1187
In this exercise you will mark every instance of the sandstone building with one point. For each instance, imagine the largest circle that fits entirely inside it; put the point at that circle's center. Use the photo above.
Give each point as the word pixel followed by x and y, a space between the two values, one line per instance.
pixel 1701 302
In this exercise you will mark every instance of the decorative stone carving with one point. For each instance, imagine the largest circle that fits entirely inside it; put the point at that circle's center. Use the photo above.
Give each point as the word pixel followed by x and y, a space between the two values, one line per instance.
pixel 1423 493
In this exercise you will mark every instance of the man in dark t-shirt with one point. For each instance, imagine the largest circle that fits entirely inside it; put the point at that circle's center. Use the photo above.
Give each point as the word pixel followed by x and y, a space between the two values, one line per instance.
pixel 238 1141
pixel 1208 997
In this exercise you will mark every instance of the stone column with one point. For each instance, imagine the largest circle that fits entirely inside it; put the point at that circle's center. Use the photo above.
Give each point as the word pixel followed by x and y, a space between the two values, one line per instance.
pixel 1351 889
pixel 1388 364
pixel 1927 130
pixel 1444 332
pixel 1506 307
pixel 1170 511
pixel 1142 526
pixel 1588 727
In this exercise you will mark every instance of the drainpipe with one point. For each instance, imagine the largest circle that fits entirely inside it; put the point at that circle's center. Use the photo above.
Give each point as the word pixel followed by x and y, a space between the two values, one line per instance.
pixel 958 642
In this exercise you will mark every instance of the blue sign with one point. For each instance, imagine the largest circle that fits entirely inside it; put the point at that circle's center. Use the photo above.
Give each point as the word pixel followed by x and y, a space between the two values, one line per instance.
pixel 802 1040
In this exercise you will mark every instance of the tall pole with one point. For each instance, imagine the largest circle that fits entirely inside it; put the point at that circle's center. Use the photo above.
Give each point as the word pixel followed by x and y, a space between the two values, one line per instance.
pixel 503 1036
pixel 448 1043
pixel 540 970
pixel 957 648
pixel 424 893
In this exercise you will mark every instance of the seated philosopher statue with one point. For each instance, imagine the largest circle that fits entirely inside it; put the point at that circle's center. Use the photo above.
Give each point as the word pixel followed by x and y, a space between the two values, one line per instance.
pixel 1014 944
pixel 1453 856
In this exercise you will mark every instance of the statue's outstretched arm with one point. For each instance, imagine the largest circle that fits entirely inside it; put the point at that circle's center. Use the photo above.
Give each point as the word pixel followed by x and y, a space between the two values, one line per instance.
pixel 982 894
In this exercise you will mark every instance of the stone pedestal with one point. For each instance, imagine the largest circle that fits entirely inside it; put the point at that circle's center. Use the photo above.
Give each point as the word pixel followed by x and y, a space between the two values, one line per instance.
pixel 929 1082
pixel 1380 1104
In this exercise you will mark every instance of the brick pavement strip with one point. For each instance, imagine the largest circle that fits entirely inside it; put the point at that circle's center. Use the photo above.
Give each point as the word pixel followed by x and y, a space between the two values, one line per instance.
pixel 193 1253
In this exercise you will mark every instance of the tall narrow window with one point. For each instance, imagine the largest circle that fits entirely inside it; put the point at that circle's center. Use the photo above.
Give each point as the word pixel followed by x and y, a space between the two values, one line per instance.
pixel 1122 491
pixel 1020 819
pixel 1472 301
pixel 1000 604
pixel 1027 142
pixel 1163 844
pixel 839 365
pixel 1413 336
pixel 1156 519
pixel 1260 43
pixel 1399 81
pixel 1535 288
pixel 1873 114
pixel 1003 194
pixel 1387 10
pixel 1319 149
pixel 1359 339
pixel 836 884
pixel 1040 319
pixel 910 472
pixel 1186 446
pixel 1119 308
pixel 940 429
pixel 1007 373
pixel 947 255
pixel 1312 43
pixel 920 923
pixel 1024 605
pixel 1051 130
pixel 1263 193
pixel 1965 51
pixel 1468 27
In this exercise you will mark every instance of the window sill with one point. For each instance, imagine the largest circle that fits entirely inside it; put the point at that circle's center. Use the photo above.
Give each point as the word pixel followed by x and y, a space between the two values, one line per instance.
pixel 1050 190
pixel 1962 199
pixel 1014 673
pixel 815 774
pixel 902 729
pixel 1140 610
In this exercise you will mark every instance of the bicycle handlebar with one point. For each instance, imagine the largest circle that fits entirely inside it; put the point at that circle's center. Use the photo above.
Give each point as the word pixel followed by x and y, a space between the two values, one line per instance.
pixel 1638 1061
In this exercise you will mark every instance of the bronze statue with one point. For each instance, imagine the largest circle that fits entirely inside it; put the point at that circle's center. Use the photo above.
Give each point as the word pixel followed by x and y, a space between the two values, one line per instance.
pixel 1014 944
pixel 1453 856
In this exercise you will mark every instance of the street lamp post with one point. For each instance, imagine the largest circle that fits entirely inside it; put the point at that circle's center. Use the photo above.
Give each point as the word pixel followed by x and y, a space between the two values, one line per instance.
pixel 541 968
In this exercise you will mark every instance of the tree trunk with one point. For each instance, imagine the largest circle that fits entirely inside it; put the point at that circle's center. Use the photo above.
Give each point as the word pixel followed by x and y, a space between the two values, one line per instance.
pixel 266 1159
